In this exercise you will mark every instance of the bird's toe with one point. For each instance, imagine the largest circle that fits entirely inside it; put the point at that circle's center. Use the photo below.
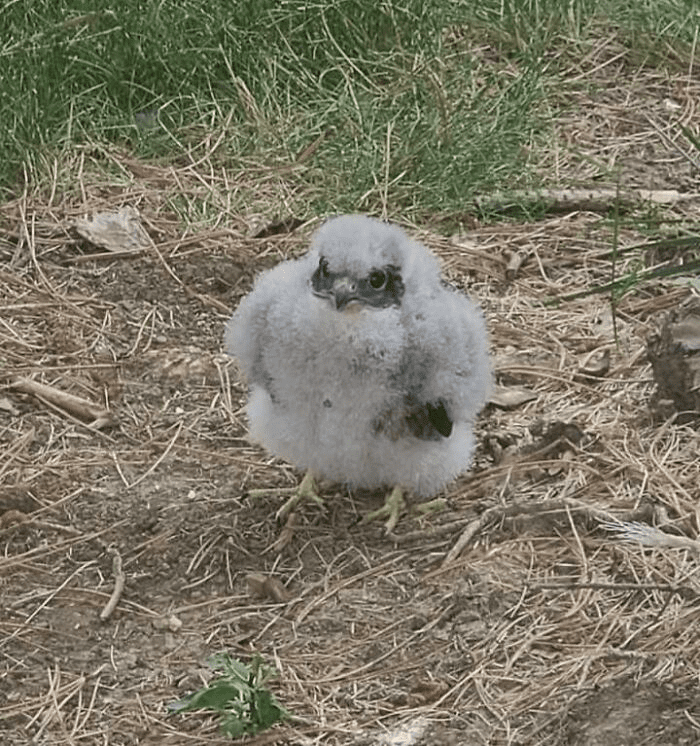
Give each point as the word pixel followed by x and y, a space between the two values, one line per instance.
pixel 306 491
pixel 394 505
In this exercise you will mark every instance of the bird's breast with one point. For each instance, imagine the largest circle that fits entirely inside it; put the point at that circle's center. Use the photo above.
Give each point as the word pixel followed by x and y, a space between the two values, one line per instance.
pixel 335 363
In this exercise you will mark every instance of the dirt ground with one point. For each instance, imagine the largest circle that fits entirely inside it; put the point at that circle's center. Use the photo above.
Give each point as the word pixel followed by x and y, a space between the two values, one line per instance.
pixel 513 617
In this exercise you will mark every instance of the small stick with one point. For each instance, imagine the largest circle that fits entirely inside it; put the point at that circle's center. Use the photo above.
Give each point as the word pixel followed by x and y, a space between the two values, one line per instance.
pixel 286 535
pixel 432 532
pixel 119 581
pixel 81 408
pixel 499 512
pixel 515 262
pixel 467 535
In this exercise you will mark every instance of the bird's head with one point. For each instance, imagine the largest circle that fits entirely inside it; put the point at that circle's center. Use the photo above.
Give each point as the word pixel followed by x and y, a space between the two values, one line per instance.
pixel 381 287
pixel 363 262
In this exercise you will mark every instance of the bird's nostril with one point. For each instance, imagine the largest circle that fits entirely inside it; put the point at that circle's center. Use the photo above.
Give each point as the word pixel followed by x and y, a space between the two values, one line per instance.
pixel 345 285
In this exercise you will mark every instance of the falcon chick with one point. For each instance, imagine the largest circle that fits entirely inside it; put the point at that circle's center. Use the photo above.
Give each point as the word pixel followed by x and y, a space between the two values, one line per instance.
pixel 363 367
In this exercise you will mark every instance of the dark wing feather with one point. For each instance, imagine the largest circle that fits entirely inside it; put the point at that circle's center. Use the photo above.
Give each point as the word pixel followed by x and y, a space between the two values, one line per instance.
pixel 426 421
pixel 437 414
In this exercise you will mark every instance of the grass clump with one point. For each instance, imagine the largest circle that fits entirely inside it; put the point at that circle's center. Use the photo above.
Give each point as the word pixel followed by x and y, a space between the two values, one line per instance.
pixel 238 695
pixel 406 115
pixel 414 107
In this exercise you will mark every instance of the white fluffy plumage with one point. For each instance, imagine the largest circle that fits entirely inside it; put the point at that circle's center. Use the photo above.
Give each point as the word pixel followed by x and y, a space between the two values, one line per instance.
pixel 362 366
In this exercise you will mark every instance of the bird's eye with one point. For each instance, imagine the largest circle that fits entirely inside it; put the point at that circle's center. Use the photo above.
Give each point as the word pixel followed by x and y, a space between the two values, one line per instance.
pixel 323 266
pixel 377 279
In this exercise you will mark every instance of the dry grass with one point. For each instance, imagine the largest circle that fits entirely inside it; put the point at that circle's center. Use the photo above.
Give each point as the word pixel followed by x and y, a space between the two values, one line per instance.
pixel 511 618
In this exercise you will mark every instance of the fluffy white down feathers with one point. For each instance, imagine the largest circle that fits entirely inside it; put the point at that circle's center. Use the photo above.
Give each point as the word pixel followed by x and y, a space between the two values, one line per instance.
pixel 362 366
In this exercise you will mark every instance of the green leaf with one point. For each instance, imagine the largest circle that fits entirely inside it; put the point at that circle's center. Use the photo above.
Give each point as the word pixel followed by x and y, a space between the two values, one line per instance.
pixel 217 696
pixel 267 710
pixel 237 695
pixel 229 666
pixel 233 727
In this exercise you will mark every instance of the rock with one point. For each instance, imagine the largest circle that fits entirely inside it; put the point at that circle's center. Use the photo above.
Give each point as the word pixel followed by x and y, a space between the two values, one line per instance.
pixel 674 354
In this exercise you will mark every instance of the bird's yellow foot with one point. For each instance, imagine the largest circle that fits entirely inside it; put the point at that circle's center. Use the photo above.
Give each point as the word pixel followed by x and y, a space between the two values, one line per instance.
pixel 305 491
pixel 393 506
pixel 431 506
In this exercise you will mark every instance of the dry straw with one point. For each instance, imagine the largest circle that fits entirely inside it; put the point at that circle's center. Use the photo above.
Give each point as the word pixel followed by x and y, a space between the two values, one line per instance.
pixel 493 622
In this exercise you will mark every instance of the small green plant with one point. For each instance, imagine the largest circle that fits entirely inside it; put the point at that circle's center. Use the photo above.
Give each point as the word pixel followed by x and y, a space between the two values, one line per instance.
pixel 239 696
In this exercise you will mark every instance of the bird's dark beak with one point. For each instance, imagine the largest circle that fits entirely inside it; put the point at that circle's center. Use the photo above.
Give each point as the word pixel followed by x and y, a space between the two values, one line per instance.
pixel 344 292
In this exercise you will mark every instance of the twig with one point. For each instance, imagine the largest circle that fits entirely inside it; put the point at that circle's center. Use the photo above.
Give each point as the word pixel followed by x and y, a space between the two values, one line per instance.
pixel 432 532
pixel 500 512
pixel 469 533
pixel 593 200
pixel 670 141
pixel 119 581
pixel 285 537
pixel 651 274
pixel 11 518
pixel 684 591
pixel 85 410
pixel 515 262
pixel 157 462
pixel 635 532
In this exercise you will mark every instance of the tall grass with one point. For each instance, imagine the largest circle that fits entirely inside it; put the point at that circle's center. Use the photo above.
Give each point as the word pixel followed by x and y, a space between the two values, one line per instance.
pixel 423 103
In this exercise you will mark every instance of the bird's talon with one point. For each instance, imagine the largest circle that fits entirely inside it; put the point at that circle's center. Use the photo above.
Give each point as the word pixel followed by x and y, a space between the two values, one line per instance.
pixel 264 492
pixel 305 491
pixel 392 509
pixel 432 506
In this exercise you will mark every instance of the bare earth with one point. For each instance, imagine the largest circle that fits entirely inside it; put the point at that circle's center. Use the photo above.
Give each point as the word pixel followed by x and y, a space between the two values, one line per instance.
pixel 512 617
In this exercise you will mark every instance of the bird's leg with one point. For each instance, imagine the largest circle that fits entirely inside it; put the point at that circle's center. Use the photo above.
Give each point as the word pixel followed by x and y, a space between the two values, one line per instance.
pixel 391 510
pixel 305 491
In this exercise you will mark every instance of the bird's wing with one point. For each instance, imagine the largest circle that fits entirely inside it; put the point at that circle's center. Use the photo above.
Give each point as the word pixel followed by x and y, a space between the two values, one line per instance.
pixel 248 332
pixel 445 375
